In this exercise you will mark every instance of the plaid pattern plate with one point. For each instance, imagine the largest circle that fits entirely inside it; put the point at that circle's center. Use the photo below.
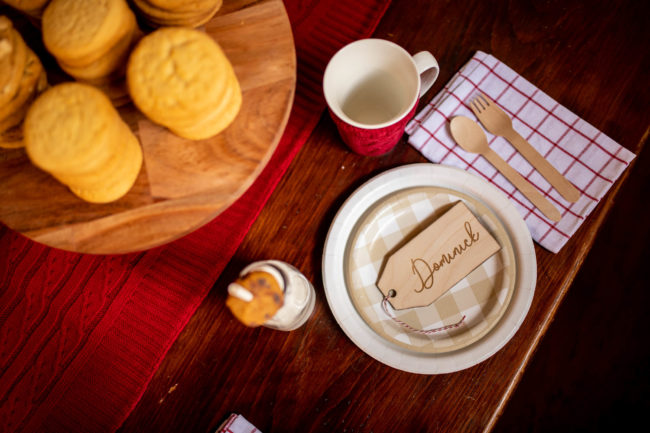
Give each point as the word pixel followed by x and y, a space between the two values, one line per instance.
pixel 390 208
pixel 481 297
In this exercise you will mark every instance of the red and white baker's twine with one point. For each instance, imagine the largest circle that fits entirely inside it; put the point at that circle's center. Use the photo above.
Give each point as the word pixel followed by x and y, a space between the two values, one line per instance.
pixel 384 305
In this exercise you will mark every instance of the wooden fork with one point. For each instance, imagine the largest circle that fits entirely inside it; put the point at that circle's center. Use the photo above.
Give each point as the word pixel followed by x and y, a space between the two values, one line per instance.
pixel 497 122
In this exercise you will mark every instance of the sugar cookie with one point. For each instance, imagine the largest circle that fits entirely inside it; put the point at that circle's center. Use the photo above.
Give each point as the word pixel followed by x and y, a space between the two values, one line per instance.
pixel 73 132
pixel 177 13
pixel 22 78
pixel 180 78
pixel 91 41
pixel 81 29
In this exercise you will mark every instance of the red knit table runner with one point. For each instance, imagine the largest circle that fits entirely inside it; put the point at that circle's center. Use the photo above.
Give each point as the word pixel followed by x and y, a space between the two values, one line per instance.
pixel 82 335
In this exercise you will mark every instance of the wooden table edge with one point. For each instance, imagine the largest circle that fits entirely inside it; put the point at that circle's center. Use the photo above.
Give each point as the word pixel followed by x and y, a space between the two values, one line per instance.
pixel 601 213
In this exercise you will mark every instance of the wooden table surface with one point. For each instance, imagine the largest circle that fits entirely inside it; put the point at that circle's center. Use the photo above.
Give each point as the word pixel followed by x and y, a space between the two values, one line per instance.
pixel 590 56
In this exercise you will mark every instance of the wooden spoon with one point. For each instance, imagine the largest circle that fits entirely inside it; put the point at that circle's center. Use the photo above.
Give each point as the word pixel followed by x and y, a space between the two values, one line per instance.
pixel 469 135
pixel 496 121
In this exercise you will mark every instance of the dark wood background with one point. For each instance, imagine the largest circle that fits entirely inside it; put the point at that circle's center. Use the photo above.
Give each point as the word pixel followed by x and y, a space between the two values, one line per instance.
pixel 580 357
pixel 591 370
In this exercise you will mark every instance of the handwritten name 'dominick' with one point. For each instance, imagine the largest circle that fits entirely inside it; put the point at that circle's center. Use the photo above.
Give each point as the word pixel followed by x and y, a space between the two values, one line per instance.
pixel 425 270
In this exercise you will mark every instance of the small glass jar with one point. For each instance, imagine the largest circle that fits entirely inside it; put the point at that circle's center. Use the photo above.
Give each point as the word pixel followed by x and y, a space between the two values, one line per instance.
pixel 299 294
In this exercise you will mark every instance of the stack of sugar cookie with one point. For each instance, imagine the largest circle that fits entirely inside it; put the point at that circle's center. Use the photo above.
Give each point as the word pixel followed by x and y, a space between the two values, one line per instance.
pixel 91 41
pixel 22 78
pixel 177 13
pixel 73 132
pixel 180 78
pixel 33 8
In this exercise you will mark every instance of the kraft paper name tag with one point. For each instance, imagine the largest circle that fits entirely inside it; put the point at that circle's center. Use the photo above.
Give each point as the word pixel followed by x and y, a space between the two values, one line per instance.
pixel 440 256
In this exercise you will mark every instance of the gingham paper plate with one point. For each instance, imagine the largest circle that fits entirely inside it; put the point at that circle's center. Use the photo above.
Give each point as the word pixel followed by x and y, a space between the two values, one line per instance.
pixel 337 252
pixel 482 296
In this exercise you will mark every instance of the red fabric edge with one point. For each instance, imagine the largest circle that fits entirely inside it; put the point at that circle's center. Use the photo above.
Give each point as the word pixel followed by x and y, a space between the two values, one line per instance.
pixel 100 387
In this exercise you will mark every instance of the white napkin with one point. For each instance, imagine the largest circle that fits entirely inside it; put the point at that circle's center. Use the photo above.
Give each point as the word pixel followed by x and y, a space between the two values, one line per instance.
pixel 237 424
pixel 588 158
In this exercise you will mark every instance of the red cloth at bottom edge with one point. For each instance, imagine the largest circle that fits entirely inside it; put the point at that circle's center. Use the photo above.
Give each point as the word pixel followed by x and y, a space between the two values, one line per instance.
pixel 80 335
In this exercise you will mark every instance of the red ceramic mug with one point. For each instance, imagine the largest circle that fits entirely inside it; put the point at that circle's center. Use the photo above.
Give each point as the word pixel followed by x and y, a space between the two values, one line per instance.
pixel 372 87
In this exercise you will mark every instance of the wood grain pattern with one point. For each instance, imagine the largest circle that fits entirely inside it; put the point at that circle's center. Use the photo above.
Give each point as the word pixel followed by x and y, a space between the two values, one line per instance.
pixel 591 353
pixel 590 56
pixel 183 184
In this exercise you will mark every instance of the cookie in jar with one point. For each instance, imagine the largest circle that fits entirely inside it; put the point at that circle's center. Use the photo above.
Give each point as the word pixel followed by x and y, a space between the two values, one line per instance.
pixel 273 294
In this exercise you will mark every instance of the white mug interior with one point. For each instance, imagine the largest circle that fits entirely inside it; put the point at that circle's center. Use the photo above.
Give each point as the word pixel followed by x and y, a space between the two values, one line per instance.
pixel 371 83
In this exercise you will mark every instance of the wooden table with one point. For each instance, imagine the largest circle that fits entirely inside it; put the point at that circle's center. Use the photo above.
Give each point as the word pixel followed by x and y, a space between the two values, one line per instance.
pixel 592 58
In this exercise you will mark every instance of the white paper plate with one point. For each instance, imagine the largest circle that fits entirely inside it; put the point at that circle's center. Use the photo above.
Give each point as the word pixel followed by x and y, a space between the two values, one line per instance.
pixel 353 324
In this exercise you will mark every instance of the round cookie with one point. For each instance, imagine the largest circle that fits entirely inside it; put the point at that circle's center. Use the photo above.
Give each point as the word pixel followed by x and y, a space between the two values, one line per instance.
pixel 27 86
pixel 73 132
pixel 17 116
pixel 176 73
pixel 22 78
pixel 220 118
pixel 119 174
pixel 196 21
pixel 178 77
pixel 191 15
pixel 13 57
pixel 267 299
pixel 150 9
pixel 96 177
pixel 81 30
pixel 67 129
pixel 113 60
pixel 183 5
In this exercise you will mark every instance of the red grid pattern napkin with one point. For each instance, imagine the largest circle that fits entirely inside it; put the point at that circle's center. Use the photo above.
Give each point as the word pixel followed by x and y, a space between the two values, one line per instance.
pixel 82 335
pixel 585 156
pixel 237 424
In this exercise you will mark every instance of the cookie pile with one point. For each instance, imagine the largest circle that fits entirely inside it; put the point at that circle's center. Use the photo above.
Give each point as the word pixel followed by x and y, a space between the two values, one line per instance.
pixel 22 78
pixel 176 76
pixel 181 79
pixel 177 13
pixel 91 41
pixel 73 132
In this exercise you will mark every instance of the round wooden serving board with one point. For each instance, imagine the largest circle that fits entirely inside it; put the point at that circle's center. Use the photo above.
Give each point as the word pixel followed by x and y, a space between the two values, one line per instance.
pixel 183 184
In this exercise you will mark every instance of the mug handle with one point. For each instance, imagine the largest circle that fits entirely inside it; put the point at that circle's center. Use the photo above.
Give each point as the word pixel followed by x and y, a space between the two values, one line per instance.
pixel 427 67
